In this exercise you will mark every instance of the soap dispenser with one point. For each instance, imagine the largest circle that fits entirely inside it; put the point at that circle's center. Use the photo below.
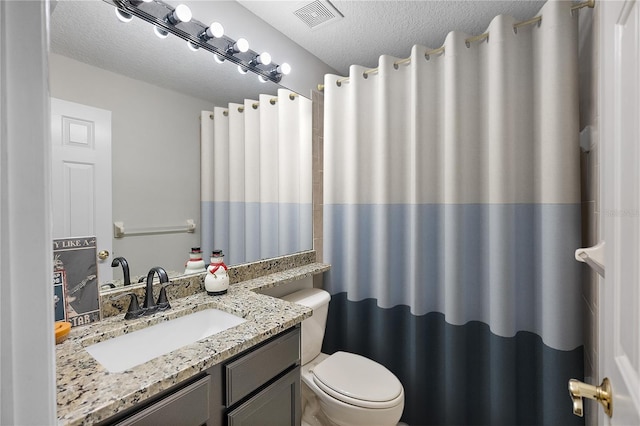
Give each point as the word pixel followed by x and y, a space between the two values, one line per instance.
pixel 216 282
pixel 195 264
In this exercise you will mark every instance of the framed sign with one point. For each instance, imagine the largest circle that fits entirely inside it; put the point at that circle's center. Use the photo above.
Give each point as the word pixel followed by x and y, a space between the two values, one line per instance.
pixel 75 280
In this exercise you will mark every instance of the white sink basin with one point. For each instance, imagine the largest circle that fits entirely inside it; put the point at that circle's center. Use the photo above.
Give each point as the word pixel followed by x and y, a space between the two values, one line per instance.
pixel 126 351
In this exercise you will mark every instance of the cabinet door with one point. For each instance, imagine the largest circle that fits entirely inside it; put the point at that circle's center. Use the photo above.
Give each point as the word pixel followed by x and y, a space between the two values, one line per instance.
pixel 276 405
pixel 187 407
pixel 258 367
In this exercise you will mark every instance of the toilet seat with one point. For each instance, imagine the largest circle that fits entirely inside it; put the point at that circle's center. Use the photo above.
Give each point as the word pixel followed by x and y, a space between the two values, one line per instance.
pixel 359 381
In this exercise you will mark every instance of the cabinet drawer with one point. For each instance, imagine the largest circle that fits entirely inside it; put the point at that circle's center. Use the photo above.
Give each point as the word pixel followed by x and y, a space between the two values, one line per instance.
pixel 253 370
pixel 278 404
pixel 187 406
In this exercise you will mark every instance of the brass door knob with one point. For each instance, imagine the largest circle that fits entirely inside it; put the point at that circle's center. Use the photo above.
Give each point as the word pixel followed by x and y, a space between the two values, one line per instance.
pixel 103 254
pixel 602 393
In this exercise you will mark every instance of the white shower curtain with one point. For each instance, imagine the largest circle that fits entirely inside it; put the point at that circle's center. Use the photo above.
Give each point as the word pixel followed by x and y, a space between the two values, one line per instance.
pixel 256 178
pixel 451 214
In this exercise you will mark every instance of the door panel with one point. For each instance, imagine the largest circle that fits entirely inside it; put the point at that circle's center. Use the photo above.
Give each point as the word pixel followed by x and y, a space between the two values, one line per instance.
pixel 620 141
pixel 81 175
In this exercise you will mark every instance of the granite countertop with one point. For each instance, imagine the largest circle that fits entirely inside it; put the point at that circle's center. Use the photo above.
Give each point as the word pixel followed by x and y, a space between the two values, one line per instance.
pixel 87 393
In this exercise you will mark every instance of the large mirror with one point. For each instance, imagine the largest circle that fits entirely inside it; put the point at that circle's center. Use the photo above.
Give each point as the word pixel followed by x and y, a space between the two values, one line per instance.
pixel 155 90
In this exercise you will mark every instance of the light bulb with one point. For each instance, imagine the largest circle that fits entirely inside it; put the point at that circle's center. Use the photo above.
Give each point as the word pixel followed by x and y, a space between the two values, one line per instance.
pixel 262 79
pixel 181 13
pixel 123 16
pixel 264 58
pixel 160 32
pixel 215 30
pixel 285 68
pixel 241 69
pixel 242 45
pixel 192 47
pixel 219 59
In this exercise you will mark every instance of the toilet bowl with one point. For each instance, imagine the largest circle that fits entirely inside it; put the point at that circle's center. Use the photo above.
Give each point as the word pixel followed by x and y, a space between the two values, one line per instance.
pixel 343 389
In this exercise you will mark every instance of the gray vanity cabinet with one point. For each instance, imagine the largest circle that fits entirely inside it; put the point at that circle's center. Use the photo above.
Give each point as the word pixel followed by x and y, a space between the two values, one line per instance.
pixel 260 386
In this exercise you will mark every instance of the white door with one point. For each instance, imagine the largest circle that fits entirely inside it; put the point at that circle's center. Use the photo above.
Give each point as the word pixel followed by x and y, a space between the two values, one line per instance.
pixel 619 322
pixel 81 176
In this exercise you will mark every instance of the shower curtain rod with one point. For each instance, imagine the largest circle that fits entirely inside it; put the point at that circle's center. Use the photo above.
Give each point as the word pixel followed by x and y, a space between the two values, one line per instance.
pixel 255 105
pixel 485 36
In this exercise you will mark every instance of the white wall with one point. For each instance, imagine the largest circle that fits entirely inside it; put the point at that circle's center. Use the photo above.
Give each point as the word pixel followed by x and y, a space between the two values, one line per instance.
pixel 155 157
pixel 27 359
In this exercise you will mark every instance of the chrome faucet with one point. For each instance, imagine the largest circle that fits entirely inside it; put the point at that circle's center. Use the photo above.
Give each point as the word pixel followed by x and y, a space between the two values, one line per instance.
pixel 149 305
pixel 125 268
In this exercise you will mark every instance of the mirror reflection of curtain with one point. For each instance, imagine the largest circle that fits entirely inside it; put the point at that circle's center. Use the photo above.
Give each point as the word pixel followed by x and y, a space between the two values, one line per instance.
pixel 256 178
pixel 451 216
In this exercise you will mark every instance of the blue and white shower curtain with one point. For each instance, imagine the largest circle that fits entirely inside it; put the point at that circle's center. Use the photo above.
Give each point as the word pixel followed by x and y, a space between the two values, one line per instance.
pixel 451 217
pixel 256 178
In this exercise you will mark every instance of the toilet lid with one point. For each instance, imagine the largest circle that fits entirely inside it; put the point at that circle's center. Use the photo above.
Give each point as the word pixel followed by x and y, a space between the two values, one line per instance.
pixel 357 380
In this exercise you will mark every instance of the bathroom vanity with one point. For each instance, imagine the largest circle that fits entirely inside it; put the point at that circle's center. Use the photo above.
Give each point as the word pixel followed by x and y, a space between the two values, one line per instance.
pixel 261 385
pixel 240 376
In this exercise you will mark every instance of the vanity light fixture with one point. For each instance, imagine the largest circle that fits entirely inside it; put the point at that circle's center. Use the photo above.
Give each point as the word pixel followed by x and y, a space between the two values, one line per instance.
pixel 123 16
pixel 215 30
pixel 160 33
pixel 264 58
pixel 179 21
pixel 192 46
pixel 181 13
pixel 240 46
pixel 284 69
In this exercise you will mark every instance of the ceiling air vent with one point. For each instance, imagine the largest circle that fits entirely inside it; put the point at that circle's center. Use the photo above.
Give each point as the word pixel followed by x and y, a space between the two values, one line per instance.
pixel 318 13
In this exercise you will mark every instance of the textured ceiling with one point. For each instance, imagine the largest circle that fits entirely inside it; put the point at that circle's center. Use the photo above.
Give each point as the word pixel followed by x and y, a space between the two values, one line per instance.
pixel 88 31
pixel 373 28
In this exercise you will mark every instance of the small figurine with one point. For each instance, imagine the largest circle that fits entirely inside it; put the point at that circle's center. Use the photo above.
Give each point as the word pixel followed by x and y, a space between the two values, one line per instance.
pixel 195 264
pixel 217 280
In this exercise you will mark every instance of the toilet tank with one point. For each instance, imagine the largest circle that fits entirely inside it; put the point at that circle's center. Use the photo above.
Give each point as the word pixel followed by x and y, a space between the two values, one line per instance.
pixel 313 327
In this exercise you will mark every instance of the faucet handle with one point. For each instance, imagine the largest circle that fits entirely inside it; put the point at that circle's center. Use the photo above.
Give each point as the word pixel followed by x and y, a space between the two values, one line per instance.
pixel 163 303
pixel 134 310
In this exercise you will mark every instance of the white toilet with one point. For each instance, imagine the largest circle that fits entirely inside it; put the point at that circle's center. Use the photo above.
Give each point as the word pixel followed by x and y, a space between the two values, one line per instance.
pixel 344 389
